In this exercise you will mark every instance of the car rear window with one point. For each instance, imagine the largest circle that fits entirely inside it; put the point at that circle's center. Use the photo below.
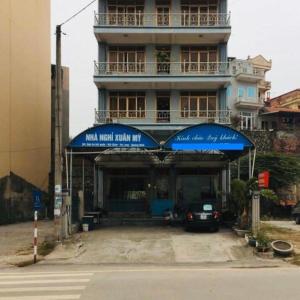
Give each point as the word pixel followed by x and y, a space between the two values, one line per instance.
pixel 201 207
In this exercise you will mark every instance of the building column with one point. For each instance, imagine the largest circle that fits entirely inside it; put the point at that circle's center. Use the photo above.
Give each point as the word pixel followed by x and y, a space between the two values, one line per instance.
pixel 175 12
pixel 102 99
pixel 100 189
pixel 175 58
pixel 224 187
pixel 149 10
pixel 172 183
pixel 102 6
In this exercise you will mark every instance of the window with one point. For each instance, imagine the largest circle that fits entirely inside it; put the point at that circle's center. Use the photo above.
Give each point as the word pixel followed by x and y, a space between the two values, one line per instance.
pixel 163 12
pixel 194 13
pixel 127 105
pixel 265 125
pixel 229 91
pixel 126 59
pixel 247 120
pixel 198 104
pixel 124 13
pixel 251 92
pixel 240 92
pixel 199 59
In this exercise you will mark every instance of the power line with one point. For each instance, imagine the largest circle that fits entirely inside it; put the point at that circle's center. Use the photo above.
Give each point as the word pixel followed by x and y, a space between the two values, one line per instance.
pixel 83 9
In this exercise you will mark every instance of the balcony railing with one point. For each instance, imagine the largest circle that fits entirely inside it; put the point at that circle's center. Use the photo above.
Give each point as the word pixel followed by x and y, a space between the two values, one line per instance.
pixel 183 19
pixel 161 69
pixel 236 71
pixel 162 116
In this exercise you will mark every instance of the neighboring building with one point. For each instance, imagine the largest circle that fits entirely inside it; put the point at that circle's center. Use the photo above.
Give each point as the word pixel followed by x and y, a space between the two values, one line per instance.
pixel 25 103
pixel 282 112
pixel 249 90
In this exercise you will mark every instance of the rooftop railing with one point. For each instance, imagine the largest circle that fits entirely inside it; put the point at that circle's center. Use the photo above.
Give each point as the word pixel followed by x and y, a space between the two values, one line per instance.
pixel 182 19
pixel 161 69
pixel 162 116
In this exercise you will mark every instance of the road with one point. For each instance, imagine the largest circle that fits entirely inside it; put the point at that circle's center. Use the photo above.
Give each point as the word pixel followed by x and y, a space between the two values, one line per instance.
pixel 148 282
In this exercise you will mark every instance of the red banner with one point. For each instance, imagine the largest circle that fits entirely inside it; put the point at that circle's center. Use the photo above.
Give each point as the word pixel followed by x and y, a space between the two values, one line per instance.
pixel 264 179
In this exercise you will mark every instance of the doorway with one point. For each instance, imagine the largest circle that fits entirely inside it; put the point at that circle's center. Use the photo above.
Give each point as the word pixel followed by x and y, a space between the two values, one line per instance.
pixel 163 109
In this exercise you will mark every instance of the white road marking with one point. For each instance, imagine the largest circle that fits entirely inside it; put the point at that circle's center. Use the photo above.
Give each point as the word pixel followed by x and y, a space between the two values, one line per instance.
pixel 23 276
pixel 43 281
pixel 42 289
pixel 52 297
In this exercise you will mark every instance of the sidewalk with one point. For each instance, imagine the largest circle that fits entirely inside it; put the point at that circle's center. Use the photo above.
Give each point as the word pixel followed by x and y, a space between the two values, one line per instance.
pixel 16 241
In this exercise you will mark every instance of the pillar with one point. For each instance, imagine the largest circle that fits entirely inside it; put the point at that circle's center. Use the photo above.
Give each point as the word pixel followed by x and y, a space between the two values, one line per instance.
pixel 224 187
pixel 100 198
pixel 175 13
pixel 172 183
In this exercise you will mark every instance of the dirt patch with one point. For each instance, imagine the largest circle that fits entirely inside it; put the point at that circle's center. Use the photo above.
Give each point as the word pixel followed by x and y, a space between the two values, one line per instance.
pixel 292 236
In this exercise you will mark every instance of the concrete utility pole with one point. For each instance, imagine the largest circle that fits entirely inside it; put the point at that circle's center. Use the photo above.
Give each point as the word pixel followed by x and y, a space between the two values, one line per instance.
pixel 58 204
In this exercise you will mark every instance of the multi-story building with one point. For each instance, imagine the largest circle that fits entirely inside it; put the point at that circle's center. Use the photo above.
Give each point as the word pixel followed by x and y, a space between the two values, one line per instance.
pixel 162 67
pixel 249 90
pixel 162 75
pixel 162 64
pixel 25 105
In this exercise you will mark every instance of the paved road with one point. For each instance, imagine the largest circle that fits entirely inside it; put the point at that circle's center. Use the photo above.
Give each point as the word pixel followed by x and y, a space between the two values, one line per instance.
pixel 148 282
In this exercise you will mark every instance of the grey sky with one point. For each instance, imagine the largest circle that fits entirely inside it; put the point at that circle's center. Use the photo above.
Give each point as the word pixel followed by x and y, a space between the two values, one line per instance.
pixel 267 27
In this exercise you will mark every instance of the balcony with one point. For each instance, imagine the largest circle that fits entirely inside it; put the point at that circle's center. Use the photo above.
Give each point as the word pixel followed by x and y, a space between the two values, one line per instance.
pixel 249 103
pixel 159 118
pixel 248 73
pixel 159 28
pixel 161 75
pixel 265 85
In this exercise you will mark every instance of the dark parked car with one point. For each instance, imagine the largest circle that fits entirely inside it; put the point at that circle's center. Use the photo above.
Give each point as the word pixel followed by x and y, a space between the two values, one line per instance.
pixel 296 213
pixel 202 215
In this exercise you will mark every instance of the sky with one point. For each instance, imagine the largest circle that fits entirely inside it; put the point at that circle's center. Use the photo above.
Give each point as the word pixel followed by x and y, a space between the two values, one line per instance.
pixel 267 27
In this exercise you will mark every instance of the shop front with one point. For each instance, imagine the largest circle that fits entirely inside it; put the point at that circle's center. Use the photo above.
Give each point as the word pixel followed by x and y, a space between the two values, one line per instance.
pixel 130 173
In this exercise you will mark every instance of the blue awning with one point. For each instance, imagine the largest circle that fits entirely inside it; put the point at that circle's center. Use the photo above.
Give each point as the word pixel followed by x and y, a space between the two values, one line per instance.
pixel 210 137
pixel 113 136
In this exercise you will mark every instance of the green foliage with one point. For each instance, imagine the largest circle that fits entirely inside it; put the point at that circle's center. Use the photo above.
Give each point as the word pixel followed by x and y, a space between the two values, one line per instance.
pixel 268 195
pixel 238 195
pixel 284 169
pixel 262 239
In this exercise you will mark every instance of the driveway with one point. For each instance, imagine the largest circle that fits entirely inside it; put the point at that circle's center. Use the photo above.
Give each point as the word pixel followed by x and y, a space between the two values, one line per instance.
pixel 152 245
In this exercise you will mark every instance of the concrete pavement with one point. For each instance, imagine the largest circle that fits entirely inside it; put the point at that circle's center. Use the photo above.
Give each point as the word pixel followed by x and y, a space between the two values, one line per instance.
pixel 152 245
pixel 148 283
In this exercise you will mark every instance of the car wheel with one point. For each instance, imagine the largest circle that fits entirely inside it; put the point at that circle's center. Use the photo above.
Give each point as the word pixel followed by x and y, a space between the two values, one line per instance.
pixel 297 220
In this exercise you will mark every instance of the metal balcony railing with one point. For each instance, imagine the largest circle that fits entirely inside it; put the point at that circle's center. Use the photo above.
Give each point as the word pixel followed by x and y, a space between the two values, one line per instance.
pixel 161 69
pixel 182 19
pixel 162 116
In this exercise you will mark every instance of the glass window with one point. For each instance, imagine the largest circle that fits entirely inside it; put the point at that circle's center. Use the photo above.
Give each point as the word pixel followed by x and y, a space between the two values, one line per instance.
pixel 127 105
pixel 229 91
pixel 241 92
pixel 198 104
pixel 251 92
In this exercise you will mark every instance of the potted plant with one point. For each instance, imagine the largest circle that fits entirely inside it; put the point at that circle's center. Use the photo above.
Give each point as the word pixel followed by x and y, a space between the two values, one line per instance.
pixel 250 239
pixel 163 62
pixel 262 242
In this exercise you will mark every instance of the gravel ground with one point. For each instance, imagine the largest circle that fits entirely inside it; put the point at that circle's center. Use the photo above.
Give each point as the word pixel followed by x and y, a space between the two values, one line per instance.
pixel 284 224
pixel 16 240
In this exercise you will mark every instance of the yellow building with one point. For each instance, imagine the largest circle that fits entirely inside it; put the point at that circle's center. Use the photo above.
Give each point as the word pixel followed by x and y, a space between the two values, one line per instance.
pixel 25 101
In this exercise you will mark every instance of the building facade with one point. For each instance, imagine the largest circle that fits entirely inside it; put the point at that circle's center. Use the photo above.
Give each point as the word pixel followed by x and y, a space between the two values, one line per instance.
pixel 25 104
pixel 248 91
pixel 162 67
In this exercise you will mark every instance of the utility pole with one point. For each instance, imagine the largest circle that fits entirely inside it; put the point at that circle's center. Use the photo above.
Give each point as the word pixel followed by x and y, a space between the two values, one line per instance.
pixel 58 204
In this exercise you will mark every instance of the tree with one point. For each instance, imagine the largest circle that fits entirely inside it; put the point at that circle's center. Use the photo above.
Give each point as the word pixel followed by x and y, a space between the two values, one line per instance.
pixel 284 169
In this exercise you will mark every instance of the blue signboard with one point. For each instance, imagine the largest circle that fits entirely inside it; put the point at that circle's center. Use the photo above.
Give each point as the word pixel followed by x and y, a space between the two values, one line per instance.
pixel 113 136
pixel 37 200
pixel 209 137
